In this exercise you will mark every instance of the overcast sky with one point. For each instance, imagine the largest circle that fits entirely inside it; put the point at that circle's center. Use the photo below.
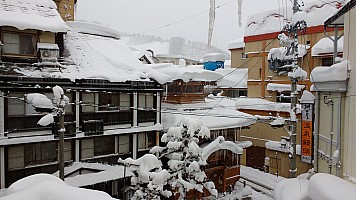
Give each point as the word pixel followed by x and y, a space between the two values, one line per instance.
pixel 142 16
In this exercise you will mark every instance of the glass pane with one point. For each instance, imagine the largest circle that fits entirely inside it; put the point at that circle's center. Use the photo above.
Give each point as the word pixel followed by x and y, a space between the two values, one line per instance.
pixel 142 101
pixel 49 152
pixel 104 145
pixel 88 102
pixel 149 101
pixel 141 137
pixel 124 144
pixel 124 101
pixel 16 106
pixel 26 44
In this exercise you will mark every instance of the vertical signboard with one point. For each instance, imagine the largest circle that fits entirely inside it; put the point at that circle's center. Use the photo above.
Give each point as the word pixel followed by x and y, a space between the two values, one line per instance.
pixel 307 132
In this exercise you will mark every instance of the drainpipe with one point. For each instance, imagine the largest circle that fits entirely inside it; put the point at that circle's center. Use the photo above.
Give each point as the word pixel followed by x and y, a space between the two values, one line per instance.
pixel 338 135
pixel 316 131
pixel 330 102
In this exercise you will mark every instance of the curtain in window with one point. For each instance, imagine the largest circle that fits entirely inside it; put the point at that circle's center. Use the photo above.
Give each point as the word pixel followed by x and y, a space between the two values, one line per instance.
pixel 142 141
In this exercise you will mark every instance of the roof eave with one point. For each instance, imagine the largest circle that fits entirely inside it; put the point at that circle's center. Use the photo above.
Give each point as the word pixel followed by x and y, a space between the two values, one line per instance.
pixel 333 20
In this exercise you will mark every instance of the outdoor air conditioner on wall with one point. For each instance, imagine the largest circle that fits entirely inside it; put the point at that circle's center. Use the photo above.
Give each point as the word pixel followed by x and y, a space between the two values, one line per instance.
pixel 47 53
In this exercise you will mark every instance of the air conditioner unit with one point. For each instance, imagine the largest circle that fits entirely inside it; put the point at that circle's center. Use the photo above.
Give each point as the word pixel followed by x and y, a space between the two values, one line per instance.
pixel 47 53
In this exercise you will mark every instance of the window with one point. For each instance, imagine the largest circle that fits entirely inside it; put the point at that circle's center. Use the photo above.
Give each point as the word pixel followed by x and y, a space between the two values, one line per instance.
pixel 124 144
pixel 115 101
pixel 15 157
pixel 283 97
pixel 104 146
pixel 40 153
pixel 327 61
pixel 19 43
pixel 146 140
pixel 87 148
pixel 88 100
pixel 145 101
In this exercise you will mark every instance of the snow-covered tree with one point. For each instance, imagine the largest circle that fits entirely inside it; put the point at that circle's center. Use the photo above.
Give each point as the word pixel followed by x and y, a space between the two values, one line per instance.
pixel 184 157
pixel 150 179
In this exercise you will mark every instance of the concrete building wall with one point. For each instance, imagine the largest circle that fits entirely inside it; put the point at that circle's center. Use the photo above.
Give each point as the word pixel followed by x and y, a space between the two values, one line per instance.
pixel 236 58
pixel 66 9
pixel 349 140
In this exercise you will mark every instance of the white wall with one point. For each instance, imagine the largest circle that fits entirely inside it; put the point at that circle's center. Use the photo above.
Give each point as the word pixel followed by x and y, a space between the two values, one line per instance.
pixel 349 141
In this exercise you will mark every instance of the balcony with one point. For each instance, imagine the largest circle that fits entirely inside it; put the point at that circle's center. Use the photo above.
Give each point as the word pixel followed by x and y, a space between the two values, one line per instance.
pixel 109 118
pixel 144 116
pixel 93 127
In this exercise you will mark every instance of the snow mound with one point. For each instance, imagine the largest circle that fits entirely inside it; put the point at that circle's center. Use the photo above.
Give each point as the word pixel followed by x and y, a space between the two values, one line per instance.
pixel 336 72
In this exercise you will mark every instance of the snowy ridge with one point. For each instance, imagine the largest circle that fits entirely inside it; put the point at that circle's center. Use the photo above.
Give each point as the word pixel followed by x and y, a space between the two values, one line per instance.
pixel 261 104
pixel 27 14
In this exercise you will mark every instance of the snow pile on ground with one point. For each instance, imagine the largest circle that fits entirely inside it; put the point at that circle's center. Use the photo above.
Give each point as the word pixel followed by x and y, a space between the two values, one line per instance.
pixel 31 14
pixel 48 187
pixel 326 46
pixel 266 179
pixel 315 13
pixel 292 189
pixel 336 72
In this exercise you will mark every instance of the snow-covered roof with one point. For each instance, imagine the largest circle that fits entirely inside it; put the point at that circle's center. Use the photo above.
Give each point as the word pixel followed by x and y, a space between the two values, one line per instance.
pixel 213 57
pixel 98 57
pixel 31 14
pixel 188 73
pixel 95 29
pixel 232 77
pixel 336 72
pixel 261 104
pixel 104 173
pixel 49 187
pixel 326 46
pixel 236 44
pixel 277 146
pixel 215 113
pixel 316 12
pixel 218 144
pixel 157 47
pixel 282 87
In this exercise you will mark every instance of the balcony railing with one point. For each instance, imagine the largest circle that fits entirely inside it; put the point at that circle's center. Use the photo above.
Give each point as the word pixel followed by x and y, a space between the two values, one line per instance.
pixel 109 118
pixel 144 116
pixel 93 127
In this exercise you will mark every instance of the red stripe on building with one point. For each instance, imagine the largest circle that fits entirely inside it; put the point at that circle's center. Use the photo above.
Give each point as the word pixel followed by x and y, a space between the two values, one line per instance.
pixel 270 36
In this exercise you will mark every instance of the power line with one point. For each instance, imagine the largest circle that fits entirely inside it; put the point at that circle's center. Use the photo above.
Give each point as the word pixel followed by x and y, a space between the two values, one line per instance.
pixel 187 18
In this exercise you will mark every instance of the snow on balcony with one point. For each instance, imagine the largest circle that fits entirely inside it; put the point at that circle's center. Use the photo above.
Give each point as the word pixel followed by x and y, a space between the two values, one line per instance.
pixel 326 46
pixel 333 78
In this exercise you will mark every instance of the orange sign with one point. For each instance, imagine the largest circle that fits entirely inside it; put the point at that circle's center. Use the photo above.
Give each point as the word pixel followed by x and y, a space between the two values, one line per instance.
pixel 307 133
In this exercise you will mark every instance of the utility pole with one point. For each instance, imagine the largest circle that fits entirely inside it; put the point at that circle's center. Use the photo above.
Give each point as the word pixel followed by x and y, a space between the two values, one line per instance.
pixel 294 28
pixel 61 138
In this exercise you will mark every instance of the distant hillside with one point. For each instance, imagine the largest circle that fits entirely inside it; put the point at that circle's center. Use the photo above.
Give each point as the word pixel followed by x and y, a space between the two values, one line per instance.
pixel 174 46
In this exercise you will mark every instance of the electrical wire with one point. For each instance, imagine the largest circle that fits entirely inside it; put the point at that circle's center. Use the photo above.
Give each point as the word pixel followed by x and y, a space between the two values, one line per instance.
pixel 187 18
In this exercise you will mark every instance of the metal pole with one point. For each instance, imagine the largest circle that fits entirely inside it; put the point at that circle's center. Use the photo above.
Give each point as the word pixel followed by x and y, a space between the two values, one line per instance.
pixel 293 139
pixel 61 141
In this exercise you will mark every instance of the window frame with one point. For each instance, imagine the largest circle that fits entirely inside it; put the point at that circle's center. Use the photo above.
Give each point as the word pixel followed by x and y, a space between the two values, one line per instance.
pixel 21 45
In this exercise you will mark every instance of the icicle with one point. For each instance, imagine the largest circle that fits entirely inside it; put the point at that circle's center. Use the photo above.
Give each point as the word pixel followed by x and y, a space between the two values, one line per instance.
pixel 239 11
pixel 211 21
